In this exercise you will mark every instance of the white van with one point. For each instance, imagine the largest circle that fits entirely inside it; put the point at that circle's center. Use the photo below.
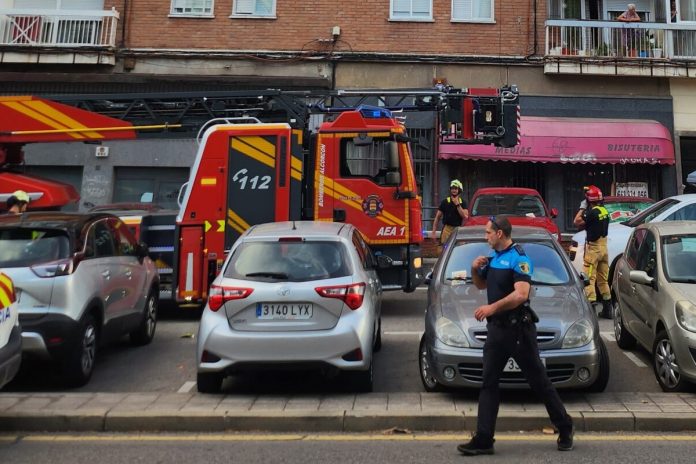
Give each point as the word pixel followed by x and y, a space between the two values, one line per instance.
pixel 10 333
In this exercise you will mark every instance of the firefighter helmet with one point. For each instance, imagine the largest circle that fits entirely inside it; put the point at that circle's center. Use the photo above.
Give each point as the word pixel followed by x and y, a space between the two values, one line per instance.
pixel 593 193
pixel 457 184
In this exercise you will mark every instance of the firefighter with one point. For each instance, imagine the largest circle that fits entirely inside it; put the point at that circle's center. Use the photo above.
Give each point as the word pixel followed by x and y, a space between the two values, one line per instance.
pixel 453 210
pixel 594 218
pixel 18 202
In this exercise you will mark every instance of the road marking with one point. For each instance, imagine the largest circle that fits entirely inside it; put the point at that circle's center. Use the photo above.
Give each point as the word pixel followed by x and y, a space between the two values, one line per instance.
pixel 403 333
pixel 635 359
pixel 538 437
pixel 608 336
pixel 187 386
pixel 422 288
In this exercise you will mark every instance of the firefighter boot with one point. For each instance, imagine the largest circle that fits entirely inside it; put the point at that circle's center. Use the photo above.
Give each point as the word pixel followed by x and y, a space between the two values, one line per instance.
pixel 607 309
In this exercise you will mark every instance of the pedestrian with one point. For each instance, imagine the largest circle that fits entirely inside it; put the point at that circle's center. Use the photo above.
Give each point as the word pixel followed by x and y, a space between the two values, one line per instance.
pixel 17 202
pixel 453 210
pixel 511 333
pixel 594 218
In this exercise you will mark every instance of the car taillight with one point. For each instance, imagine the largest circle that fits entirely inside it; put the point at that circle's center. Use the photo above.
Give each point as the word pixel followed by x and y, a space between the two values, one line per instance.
pixel 219 295
pixel 56 268
pixel 351 294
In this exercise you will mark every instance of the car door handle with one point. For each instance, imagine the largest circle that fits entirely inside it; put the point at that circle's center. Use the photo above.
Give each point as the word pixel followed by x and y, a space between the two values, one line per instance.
pixel 106 274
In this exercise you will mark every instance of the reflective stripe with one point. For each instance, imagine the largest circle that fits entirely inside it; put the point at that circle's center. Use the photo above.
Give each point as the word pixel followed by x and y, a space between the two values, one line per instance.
pixel 7 293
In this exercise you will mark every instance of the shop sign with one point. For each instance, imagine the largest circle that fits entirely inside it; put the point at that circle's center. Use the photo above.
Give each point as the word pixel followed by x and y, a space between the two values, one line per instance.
pixel 632 189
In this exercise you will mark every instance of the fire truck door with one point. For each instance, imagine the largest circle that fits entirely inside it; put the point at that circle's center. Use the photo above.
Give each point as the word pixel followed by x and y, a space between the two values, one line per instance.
pixel 258 184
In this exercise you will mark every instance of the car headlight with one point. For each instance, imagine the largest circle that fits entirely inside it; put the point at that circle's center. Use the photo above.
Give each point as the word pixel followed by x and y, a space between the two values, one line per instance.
pixel 450 334
pixel 686 315
pixel 579 334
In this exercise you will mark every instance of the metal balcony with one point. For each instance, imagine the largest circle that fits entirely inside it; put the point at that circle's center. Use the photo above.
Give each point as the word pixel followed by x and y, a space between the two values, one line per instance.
pixel 618 48
pixel 26 28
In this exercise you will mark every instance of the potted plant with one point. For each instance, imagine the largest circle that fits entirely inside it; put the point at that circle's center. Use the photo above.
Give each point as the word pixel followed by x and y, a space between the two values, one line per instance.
pixel 602 50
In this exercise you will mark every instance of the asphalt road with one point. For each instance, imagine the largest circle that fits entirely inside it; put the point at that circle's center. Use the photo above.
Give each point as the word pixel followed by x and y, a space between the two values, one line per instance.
pixel 344 448
pixel 168 365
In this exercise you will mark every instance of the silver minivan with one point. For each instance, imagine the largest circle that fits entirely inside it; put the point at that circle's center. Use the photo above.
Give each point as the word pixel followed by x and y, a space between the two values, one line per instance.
pixel 80 280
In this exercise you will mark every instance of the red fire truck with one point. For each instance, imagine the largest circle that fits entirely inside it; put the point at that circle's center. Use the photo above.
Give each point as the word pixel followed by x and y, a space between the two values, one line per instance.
pixel 356 166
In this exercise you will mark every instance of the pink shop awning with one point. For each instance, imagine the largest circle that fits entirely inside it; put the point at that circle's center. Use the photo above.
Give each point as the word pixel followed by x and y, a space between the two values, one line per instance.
pixel 577 140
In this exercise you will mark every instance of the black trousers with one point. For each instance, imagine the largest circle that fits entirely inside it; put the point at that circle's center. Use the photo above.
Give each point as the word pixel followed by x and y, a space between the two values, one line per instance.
pixel 519 342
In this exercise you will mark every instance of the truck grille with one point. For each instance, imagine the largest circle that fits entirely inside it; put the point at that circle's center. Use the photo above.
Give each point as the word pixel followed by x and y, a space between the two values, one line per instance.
pixel 473 372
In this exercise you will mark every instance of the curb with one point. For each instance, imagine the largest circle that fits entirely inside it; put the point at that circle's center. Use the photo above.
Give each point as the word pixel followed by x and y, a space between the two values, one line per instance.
pixel 338 421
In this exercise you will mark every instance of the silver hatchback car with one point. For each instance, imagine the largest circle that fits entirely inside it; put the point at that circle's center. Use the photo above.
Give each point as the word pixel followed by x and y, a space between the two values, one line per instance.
pixel 80 279
pixel 451 349
pixel 293 294
pixel 655 299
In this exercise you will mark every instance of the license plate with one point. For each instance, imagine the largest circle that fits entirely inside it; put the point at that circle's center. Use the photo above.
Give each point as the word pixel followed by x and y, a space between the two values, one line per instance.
pixel 512 366
pixel 284 311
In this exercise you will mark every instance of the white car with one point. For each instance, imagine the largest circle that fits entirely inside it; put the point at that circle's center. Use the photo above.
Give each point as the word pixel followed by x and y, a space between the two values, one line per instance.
pixel 10 333
pixel 676 208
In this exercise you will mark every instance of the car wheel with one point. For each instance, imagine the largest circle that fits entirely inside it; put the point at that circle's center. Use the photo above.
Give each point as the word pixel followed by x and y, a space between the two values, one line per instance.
pixel 378 337
pixel 145 332
pixel 209 382
pixel 78 364
pixel 430 383
pixel 361 381
pixel 600 383
pixel 624 339
pixel 667 370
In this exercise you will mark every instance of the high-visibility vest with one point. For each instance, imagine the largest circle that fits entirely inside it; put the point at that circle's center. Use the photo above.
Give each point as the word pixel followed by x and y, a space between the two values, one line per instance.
pixel 7 291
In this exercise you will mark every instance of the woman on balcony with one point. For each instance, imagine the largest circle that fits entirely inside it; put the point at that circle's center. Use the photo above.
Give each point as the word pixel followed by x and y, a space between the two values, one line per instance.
pixel 629 37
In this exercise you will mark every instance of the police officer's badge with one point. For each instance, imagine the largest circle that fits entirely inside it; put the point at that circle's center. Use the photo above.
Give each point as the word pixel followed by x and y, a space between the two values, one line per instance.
pixel 524 267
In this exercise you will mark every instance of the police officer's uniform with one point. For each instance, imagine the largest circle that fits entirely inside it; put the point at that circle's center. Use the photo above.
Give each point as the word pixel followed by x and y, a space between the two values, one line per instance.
pixel 596 258
pixel 512 333
pixel 450 217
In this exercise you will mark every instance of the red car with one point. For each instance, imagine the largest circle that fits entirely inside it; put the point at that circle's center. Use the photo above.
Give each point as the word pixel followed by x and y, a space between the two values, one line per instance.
pixel 522 207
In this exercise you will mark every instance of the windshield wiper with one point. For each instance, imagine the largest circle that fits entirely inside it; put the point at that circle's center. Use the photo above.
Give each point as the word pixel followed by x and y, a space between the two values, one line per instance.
pixel 461 279
pixel 273 275
pixel 684 280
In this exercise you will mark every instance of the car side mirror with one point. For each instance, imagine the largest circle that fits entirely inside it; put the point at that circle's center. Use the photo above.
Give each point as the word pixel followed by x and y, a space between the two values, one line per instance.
pixel 554 212
pixel 641 277
pixel 384 262
pixel 428 277
pixel 392 178
pixel 142 250
pixel 585 279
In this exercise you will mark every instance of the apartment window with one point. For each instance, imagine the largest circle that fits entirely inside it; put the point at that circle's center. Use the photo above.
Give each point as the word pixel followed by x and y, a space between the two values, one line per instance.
pixel 473 10
pixel 254 8
pixel 192 8
pixel 414 10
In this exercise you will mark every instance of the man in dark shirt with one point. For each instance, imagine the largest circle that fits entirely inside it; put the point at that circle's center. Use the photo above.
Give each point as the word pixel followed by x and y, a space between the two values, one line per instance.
pixel 511 335
pixel 595 220
pixel 452 210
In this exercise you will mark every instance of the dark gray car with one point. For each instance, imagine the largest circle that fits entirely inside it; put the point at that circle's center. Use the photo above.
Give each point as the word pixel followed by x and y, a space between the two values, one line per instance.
pixel 451 349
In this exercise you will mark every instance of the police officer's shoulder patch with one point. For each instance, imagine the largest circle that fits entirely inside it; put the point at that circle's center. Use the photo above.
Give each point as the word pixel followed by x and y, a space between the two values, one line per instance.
pixel 524 267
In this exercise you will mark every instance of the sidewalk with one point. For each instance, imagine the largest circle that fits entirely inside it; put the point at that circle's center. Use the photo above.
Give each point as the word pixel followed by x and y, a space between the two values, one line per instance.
pixel 192 412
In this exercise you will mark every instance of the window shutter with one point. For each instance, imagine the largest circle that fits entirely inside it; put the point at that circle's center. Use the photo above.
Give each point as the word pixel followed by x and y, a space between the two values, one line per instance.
pixel 461 9
pixel 402 7
pixel 421 8
pixel 482 9
pixel 82 4
pixel 36 4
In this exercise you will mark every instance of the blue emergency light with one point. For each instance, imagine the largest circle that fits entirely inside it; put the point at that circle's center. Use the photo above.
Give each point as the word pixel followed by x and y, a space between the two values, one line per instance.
pixel 374 112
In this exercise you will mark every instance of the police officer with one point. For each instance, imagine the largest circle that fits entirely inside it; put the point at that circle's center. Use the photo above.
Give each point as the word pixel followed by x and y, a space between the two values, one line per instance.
pixel 18 202
pixel 594 218
pixel 506 274
pixel 452 210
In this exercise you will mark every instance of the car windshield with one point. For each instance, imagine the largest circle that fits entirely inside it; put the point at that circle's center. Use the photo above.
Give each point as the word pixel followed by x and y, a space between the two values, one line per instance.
pixel 621 210
pixel 510 204
pixel 679 255
pixel 649 213
pixel 548 265
pixel 22 247
pixel 288 261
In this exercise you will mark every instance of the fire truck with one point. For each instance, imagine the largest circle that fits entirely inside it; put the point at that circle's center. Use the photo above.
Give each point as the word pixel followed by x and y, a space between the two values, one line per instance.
pixel 346 164
pixel 276 155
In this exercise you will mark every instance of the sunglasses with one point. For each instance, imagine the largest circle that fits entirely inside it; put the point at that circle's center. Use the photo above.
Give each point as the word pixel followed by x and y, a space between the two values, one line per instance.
pixel 495 225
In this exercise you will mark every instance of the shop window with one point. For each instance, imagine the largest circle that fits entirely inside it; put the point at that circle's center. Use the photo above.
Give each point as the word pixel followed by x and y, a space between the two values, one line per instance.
pixel 472 10
pixel 261 8
pixel 413 10
pixel 149 185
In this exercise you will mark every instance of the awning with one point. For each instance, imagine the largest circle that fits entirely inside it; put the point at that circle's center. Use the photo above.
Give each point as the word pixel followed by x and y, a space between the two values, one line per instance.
pixel 25 119
pixel 577 140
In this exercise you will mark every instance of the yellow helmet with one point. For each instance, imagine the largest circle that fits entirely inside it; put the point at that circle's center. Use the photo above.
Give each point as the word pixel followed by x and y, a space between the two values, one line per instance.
pixel 456 183
pixel 21 195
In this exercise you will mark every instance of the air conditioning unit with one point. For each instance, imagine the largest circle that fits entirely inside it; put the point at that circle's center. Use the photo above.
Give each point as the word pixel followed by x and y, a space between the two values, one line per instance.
pixel 101 151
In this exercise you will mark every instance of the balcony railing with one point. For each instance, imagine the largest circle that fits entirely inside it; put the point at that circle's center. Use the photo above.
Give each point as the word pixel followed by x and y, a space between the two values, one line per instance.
pixel 58 28
pixel 615 39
